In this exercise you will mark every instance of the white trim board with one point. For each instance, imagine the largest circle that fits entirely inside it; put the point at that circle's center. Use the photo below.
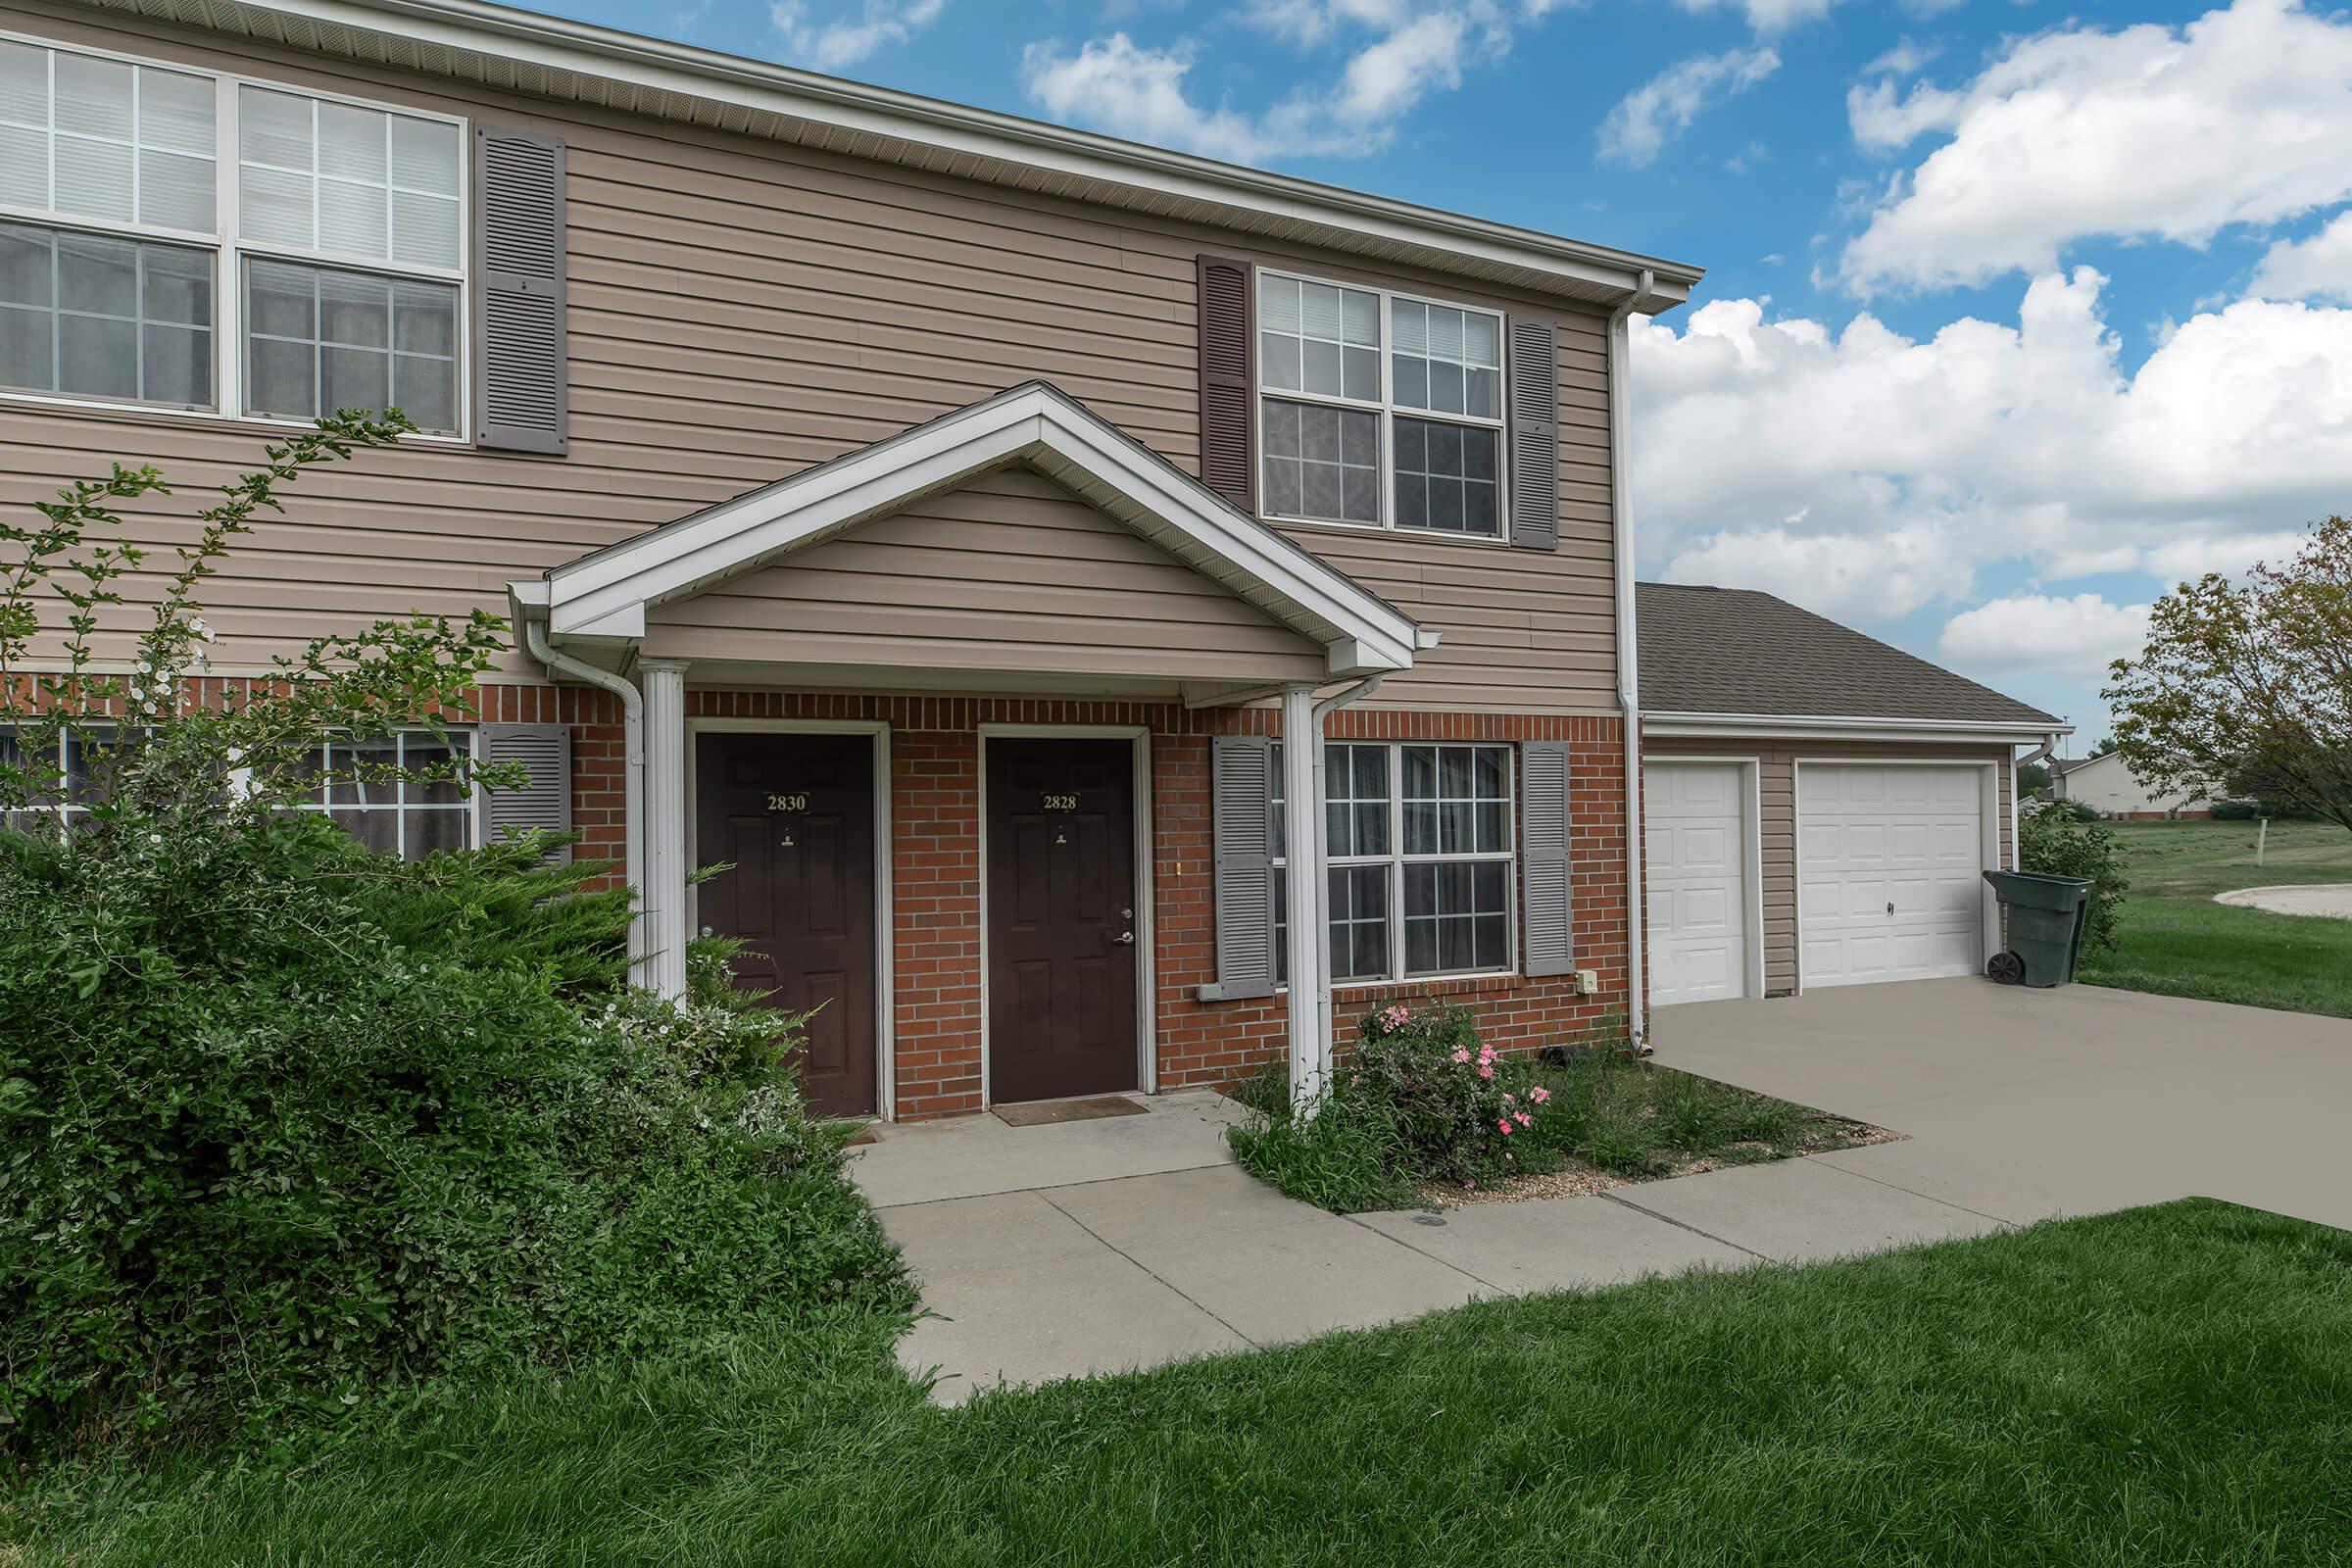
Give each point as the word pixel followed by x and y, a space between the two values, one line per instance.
pixel 1147 972
pixel 886 1084
pixel 608 592
pixel 1737 727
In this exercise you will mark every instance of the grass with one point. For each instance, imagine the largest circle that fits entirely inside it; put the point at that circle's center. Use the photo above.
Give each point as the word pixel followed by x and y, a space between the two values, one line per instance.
pixel 1609 1117
pixel 2167 1386
pixel 2172 938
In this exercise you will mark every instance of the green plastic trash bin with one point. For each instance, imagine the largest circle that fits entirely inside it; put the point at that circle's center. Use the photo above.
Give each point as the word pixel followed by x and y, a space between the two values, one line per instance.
pixel 2042 917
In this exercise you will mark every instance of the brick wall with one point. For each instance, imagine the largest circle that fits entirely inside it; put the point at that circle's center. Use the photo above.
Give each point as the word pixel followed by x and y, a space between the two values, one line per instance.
pixel 935 864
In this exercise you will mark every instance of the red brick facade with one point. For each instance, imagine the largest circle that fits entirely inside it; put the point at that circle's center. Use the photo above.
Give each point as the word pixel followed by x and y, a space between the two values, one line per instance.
pixel 935 867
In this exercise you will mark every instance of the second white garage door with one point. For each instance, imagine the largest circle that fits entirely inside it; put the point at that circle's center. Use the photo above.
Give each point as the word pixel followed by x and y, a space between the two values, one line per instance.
pixel 1890 862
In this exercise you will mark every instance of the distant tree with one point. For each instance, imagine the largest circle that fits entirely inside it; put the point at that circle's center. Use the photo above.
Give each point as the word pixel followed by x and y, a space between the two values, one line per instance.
pixel 2248 681
pixel 2031 778
pixel 2104 747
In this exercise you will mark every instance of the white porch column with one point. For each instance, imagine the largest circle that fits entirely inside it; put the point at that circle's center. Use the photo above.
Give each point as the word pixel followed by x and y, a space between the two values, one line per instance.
pixel 664 681
pixel 1302 838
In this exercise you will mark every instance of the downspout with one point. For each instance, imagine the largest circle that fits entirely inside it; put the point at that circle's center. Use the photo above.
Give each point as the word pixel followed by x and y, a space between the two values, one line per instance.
pixel 1629 684
pixel 632 775
pixel 2047 749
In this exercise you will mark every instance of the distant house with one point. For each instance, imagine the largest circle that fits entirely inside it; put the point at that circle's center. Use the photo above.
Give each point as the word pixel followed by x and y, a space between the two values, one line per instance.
pixel 2106 786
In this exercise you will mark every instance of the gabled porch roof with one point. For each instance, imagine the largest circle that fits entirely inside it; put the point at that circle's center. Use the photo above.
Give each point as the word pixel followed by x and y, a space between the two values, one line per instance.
pixel 604 596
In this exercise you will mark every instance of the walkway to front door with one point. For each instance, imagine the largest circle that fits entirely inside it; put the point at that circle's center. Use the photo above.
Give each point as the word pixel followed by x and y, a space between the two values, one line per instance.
pixel 1061 928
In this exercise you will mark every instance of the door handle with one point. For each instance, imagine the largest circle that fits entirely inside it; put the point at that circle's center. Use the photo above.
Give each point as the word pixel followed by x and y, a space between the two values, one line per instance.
pixel 1125 939
pixel 1889 908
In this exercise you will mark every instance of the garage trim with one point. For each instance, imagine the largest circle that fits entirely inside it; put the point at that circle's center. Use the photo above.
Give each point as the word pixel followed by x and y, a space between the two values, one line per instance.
pixel 1751 846
pixel 1989 819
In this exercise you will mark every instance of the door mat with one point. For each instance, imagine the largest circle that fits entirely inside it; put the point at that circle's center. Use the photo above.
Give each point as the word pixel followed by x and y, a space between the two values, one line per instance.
pixel 1050 1112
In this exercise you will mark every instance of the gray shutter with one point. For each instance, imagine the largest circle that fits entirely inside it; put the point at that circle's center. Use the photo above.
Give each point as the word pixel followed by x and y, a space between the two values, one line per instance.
pixel 522 393
pixel 545 801
pixel 1242 771
pixel 1226 406
pixel 1546 906
pixel 1534 413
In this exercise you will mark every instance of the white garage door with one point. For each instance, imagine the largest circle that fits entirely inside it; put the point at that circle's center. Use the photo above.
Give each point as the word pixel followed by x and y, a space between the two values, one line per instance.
pixel 1888 866
pixel 1694 844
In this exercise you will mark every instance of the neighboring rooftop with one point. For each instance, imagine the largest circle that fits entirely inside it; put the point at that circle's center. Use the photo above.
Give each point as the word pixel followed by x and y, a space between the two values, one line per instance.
pixel 1736 650
pixel 578 61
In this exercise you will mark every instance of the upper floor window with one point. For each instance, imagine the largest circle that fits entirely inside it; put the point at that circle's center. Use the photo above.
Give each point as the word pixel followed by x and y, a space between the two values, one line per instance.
pixel 1378 409
pixel 187 241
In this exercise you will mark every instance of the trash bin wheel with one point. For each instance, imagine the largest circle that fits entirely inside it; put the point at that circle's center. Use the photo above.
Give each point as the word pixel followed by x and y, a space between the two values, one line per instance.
pixel 2007 968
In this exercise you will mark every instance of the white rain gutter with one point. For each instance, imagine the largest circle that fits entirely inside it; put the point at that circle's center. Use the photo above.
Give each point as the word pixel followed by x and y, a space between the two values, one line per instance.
pixel 2048 748
pixel 632 775
pixel 1628 680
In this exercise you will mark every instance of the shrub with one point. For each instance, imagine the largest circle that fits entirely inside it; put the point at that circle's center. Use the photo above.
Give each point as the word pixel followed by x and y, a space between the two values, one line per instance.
pixel 2236 811
pixel 2059 843
pixel 1420 1098
pixel 287 1139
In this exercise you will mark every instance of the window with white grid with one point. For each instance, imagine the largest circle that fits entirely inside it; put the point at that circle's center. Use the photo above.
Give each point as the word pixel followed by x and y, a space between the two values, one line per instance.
pixel 192 241
pixel 366 786
pixel 1419 842
pixel 1378 409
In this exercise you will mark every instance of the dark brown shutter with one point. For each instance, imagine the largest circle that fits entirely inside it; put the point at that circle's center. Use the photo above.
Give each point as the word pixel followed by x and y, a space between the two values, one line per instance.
pixel 523 400
pixel 1242 784
pixel 1547 910
pixel 1227 322
pixel 1534 411
pixel 543 800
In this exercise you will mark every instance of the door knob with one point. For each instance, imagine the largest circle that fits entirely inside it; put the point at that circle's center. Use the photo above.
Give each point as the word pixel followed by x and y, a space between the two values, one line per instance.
pixel 1125 939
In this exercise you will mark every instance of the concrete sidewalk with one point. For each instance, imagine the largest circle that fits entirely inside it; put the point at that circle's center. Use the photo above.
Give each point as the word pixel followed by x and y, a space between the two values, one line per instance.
pixel 1096 1247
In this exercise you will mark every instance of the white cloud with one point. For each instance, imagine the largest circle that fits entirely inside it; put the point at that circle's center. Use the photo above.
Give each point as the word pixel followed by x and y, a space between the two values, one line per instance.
pixel 2075 636
pixel 1865 472
pixel 1765 16
pixel 2318 267
pixel 2240 117
pixel 845 41
pixel 1400 52
pixel 1662 108
pixel 1905 59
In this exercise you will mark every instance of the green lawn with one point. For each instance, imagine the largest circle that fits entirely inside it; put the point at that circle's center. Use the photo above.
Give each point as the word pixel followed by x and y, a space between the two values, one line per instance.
pixel 2172 938
pixel 2169 1386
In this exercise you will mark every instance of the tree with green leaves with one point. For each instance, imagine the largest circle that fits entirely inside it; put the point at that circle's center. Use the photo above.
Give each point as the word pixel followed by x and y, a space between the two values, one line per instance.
pixel 2248 680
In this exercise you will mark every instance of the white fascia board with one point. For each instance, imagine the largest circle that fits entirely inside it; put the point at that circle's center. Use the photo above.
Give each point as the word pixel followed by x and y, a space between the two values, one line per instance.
pixel 607 593
pixel 1839 727
pixel 858 110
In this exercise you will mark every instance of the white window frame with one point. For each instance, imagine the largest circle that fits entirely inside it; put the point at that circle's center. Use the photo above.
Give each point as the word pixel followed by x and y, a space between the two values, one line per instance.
pixel 1386 410
pixel 230 252
pixel 1397 860
pixel 466 742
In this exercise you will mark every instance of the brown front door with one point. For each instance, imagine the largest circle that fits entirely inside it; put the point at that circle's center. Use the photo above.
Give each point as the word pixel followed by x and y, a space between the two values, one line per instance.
pixel 795 815
pixel 1062 936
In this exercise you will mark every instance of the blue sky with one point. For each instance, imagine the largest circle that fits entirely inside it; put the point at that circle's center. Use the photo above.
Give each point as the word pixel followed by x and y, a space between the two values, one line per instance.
pixel 2014 314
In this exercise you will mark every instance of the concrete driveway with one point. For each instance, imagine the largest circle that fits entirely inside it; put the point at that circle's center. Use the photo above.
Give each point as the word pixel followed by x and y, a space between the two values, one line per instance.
pixel 1089 1246
pixel 2025 1104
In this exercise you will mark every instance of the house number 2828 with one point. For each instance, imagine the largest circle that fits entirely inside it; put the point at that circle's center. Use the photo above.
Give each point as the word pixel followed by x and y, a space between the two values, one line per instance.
pixel 1061 802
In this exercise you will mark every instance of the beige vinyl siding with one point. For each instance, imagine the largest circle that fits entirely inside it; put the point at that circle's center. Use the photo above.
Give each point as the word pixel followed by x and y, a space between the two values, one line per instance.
pixel 741 310
pixel 1008 572
pixel 1776 802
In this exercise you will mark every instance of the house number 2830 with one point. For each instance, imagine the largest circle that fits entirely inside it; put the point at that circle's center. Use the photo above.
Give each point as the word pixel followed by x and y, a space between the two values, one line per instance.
pixel 788 802
pixel 1061 802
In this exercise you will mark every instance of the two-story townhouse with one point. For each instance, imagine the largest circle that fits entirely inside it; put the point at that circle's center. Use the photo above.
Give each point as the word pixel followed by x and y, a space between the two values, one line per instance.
pixel 941 518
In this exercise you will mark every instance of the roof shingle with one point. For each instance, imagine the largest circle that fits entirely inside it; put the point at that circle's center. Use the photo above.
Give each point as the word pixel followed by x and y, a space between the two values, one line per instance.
pixel 1736 650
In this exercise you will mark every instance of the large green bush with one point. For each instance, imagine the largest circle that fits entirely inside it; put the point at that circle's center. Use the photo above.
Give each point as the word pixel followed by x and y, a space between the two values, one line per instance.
pixel 2057 842
pixel 269 1164
pixel 291 1132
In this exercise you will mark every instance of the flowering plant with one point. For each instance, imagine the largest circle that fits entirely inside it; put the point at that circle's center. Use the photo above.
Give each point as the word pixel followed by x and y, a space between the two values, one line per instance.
pixel 1458 1104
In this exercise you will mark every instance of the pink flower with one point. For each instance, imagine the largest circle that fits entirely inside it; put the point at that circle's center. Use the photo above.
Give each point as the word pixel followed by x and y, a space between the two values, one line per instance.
pixel 1462 1055
pixel 1538 1093
pixel 1506 1097
pixel 1486 1071
pixel 1523 1118
pixel 1505 1125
